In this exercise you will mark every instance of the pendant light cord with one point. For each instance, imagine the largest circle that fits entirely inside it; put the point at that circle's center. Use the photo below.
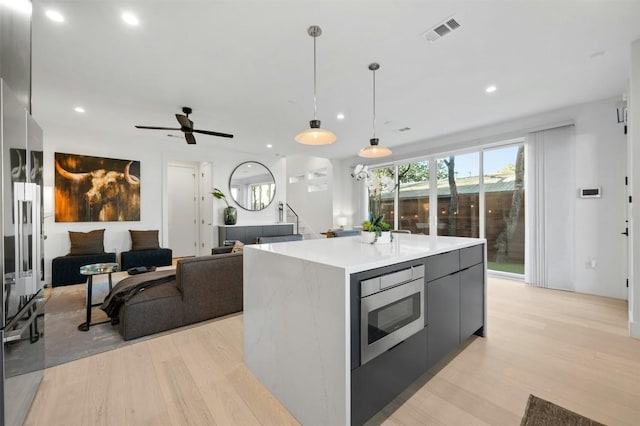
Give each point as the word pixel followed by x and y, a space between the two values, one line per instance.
pixel 315 107
pixel 374 103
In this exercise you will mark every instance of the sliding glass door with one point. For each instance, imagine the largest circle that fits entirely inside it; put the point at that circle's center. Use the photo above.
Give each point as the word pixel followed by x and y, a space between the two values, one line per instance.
pixel 413 197
pixel 477 194
pixel 503 182
pixel 458 195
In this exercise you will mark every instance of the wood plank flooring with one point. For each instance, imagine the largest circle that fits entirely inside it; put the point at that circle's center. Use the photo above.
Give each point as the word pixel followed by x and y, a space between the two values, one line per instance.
pixel 568 348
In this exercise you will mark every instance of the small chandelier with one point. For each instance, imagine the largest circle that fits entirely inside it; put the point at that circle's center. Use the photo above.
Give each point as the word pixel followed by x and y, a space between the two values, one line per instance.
pixel 315 135
pixel 374 150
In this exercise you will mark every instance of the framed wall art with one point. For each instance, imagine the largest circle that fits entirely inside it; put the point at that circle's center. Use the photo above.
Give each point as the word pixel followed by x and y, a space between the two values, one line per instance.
pixel 96 189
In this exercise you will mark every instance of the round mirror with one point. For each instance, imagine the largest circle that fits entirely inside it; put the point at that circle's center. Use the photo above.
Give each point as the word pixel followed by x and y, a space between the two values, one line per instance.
pixel 252 186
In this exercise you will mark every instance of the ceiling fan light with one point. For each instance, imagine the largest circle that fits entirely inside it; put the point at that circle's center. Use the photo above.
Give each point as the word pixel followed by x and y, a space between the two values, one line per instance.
pixel 374 150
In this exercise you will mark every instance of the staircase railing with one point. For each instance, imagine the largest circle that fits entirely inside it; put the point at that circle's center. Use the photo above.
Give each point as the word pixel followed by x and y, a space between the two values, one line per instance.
pixel 297 218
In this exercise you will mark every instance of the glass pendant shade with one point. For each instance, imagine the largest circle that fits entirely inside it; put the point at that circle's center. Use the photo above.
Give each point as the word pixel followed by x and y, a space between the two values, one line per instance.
pixel 315 135
pixel 374 150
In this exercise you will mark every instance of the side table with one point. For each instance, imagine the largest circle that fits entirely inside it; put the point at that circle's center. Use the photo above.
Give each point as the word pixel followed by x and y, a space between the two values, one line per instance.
pixel 90 271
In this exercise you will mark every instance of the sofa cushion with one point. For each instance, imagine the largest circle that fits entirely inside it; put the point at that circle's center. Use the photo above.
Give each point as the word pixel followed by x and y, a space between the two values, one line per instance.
pixel 144 240
pixel 86 242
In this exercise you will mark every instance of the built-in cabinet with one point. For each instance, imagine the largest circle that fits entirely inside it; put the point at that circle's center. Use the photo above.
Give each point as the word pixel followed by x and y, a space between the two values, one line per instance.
pixel 455 300
pixel 249 234
pixel 454 310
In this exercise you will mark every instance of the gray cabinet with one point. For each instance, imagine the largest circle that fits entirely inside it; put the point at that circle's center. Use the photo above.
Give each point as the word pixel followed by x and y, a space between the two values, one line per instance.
pixel 471 256
pixel 442 264
pixel 250 233
pixel 455 299
pixel 471 300
pixel 443 317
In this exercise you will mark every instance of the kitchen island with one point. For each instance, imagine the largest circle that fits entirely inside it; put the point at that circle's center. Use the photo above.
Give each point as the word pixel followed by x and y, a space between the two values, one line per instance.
pixel 335 328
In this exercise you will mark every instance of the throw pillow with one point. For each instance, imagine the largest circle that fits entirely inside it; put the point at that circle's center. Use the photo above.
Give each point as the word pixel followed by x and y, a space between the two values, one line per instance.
pixel 144 240
pixel 237 247
pixel 87 242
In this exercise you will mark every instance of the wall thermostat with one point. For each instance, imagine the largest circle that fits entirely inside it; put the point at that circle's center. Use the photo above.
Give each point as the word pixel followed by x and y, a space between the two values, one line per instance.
pixel 590 192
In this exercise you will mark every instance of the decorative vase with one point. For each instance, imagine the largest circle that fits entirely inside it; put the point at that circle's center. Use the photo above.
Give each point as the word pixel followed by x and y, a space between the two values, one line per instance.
pixel 230 215
pixel 367 237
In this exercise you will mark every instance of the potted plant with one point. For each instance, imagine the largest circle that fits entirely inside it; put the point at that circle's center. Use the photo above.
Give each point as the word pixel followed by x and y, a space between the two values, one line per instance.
pixel 230 212
pixel 374 230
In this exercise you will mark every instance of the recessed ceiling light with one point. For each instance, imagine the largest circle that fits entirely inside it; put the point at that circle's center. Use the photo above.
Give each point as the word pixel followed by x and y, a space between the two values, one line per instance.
pixel 130 19
pixel 248 165
pixel 340 116
pixel 79 109
pixel 22 6
pixel 269 145
pixel 54 15
pixel 491 89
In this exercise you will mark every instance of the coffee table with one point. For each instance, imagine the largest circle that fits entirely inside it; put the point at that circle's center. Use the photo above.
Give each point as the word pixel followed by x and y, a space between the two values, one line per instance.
pixel 90 271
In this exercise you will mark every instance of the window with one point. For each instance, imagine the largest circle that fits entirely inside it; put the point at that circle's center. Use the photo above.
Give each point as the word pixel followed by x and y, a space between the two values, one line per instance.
pixel 413 197
pixel 459 195
pixel 388 194
pixel 461 192
pixel 503 183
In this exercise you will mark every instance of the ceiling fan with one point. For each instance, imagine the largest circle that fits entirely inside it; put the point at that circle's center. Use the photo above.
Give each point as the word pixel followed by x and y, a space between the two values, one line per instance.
pixel 186 127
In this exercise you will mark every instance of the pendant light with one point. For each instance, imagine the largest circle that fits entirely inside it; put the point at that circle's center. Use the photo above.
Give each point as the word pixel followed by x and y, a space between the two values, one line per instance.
pixel 315 135
pixel 374 150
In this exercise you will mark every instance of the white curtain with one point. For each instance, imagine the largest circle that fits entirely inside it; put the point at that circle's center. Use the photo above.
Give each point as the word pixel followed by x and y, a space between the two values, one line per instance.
pixel 550 197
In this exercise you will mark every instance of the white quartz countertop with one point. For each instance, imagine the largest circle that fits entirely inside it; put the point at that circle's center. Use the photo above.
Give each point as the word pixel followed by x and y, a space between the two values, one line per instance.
pixel 354 256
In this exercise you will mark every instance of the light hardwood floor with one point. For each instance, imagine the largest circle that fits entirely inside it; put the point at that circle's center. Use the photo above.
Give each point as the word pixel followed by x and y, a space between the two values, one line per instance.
pixel 568 348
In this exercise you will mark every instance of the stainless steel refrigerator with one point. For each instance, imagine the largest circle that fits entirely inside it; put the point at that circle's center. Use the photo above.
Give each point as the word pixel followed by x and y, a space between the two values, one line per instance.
pixel 22 307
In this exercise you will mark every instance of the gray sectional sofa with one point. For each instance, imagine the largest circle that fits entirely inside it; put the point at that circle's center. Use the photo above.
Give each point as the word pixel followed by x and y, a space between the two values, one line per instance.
pixel 204 287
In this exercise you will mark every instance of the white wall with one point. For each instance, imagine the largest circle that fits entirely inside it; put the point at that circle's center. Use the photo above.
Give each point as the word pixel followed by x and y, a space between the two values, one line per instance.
pixel 314 208
pixel 634 168
pixel 600 158
pixel 154 151
pixel 599 147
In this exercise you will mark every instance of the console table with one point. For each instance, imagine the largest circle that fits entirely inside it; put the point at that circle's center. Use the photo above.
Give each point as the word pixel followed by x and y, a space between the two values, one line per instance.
pixel 249 234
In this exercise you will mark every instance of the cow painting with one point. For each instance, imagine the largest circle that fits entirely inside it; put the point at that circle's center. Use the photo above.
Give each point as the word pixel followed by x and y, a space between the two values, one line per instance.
pixel 94 189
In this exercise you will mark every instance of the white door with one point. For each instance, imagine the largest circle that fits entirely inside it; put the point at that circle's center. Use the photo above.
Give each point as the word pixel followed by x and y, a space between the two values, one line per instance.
pixel 206 209
pixel 183 234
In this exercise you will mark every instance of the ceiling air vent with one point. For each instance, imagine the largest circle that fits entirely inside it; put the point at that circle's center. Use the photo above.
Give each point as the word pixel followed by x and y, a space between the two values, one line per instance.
pixel 441 30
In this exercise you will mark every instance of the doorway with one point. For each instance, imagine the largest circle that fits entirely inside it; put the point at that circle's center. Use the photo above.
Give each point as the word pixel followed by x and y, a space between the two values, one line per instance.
pixel 182 208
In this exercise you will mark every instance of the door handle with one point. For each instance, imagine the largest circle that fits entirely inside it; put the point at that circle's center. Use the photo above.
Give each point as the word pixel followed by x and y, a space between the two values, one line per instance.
pixel 626 232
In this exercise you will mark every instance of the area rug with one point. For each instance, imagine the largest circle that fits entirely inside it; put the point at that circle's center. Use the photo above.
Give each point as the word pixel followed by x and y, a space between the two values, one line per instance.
pixel 64 311
pixel 544 413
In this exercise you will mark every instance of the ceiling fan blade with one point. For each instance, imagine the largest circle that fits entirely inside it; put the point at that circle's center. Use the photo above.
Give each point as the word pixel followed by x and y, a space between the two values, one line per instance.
pixel 184 121
pixel 190 139
pixel 208 132
pixel 157 128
